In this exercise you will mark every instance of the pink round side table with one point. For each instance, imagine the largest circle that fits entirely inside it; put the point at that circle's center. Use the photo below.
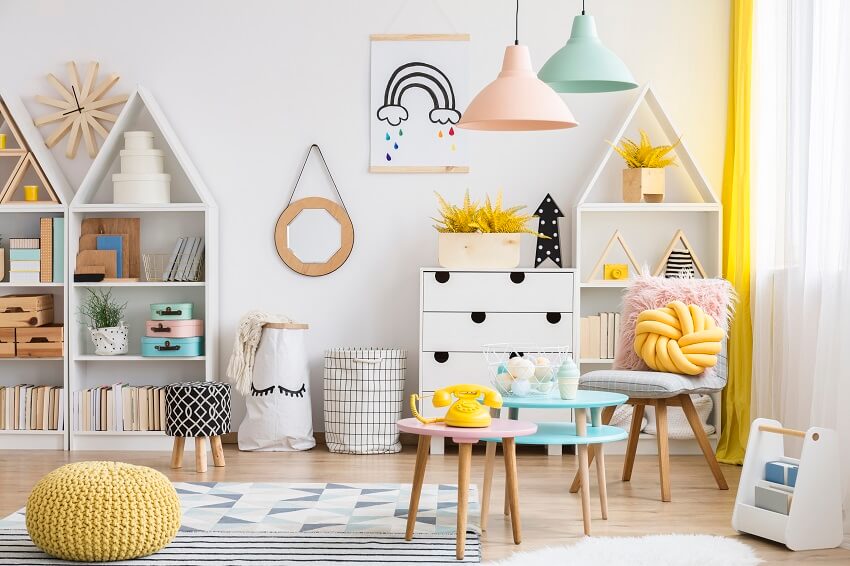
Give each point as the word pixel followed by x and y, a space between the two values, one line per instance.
pixel 505 429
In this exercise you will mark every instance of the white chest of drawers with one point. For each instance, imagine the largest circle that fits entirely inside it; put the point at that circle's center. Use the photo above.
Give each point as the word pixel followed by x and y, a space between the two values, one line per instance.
pixel 462 310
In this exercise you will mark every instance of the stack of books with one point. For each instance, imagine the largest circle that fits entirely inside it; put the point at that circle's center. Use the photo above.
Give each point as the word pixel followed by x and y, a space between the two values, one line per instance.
pixel 119 407
pixel 34 260
pixel 599 336
pixel 186 261
pixel 32 407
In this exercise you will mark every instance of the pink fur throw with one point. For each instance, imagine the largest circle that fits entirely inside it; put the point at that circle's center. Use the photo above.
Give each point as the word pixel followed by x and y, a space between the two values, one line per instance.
pixel 715 296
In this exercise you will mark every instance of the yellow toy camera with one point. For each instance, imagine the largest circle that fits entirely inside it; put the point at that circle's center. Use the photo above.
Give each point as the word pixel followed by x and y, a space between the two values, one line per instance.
pixel 466 411
pixel 616 271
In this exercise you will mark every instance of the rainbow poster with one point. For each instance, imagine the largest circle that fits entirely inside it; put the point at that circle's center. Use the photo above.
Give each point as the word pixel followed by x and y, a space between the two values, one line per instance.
pixel 418 94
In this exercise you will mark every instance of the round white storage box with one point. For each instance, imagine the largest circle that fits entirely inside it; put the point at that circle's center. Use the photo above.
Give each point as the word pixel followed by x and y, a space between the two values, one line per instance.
pixel 138 140
pixel 139 188
pixel 141 161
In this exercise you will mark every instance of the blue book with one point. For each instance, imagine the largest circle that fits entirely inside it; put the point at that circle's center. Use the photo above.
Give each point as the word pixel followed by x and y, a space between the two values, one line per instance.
pixel 108 242
pixel 24 255
pixel 58 250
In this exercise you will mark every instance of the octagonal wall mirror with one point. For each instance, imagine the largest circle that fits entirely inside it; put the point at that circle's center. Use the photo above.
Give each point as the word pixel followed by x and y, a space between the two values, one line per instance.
pixel 314 236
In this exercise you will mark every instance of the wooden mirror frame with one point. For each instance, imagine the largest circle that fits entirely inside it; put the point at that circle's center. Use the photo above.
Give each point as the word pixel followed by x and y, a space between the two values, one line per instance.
pixel 281 237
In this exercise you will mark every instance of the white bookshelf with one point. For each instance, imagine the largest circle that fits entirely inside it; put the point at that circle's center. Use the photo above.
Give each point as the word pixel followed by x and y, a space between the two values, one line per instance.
pixel 22 220
pixel 192 212
pixel 689 204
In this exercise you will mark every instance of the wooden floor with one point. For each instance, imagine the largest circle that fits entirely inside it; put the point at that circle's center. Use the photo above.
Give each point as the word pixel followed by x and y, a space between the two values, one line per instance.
pixel 550 514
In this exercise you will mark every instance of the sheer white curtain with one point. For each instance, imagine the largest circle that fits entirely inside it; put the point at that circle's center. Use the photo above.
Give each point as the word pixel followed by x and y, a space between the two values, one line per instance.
pixel 801 216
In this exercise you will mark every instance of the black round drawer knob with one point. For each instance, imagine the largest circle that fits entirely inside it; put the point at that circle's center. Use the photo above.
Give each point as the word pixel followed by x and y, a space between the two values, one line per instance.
pixel 553 317
pixel 478 317
pixel 441 357
pixel 442 276
pixel 517 277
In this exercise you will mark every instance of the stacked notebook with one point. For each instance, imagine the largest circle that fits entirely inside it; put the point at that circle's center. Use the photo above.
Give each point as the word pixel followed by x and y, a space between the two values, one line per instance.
pixel 32 407
pixel 119 407
pixel 186 261
pixel 34 260
pixel 599 335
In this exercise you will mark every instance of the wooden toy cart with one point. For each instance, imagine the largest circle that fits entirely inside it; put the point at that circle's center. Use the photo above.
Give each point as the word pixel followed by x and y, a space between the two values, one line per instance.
pixel 815 519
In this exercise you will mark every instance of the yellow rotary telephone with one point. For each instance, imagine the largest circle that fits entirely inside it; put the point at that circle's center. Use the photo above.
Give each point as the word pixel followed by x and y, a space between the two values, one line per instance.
pixel 466 411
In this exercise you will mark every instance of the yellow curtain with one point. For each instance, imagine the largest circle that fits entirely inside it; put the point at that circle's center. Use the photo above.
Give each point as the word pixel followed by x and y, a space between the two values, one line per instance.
pixel 735 417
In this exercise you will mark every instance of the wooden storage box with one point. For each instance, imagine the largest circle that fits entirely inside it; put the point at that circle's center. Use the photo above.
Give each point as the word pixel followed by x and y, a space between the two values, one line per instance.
pixel 174 328
pixel 172 347
pixel 41 342
pixel 7 342
pixel 171 311
pixel 25 311
pixel 478 251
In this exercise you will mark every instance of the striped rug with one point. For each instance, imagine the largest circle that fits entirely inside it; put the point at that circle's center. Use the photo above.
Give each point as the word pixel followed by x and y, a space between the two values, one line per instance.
pixel 253 549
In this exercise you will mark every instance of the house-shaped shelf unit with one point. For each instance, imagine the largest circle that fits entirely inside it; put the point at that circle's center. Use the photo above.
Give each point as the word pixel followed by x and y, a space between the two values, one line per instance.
pixel 690 205
pixel 192 213
pixel 18 218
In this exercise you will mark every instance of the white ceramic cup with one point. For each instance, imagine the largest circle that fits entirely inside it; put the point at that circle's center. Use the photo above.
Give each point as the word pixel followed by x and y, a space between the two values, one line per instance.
pixel 568 387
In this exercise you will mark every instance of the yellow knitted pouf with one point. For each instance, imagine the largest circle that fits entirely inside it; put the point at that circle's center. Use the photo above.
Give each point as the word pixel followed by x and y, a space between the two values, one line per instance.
pixel 95 511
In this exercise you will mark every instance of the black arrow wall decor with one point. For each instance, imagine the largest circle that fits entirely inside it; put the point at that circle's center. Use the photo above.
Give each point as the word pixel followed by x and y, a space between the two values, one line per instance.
pixel 548 212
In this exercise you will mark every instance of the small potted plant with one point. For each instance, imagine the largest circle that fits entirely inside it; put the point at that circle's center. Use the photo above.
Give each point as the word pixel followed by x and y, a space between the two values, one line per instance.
pixel 644 177
pixel 104 317
pixel 473 236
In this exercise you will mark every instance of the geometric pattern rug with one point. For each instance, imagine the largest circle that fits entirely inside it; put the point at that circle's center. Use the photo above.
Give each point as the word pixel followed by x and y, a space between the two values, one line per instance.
pixel 311 507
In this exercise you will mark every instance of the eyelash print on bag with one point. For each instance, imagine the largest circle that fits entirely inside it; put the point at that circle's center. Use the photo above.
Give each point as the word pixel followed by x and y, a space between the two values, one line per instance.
pixel 261 392
pixel 291 393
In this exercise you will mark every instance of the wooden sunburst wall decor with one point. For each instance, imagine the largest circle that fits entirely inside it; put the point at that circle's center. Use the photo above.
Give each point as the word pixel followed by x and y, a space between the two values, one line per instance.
pixel 81 107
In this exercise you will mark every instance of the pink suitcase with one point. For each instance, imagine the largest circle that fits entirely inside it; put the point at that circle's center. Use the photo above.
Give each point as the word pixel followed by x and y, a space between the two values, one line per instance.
pixel 174 328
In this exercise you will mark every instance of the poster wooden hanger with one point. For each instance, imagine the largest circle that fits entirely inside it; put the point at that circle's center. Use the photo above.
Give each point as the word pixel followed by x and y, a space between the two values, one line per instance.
pixel 616 237
pixel 677 237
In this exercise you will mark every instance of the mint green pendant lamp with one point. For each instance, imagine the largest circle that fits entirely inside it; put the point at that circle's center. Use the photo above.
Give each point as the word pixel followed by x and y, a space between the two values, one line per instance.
pixel 584 64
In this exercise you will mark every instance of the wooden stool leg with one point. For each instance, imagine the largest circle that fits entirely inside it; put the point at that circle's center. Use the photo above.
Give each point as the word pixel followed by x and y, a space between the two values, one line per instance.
pixel 702 440
pixel 600 479
pixel 583 465
pixel 507 509
pixel 463 469
pixel 418 477
pixel 177 452
pixel 200 454
pixel 663 448
pixel 509 447
pixel 217 451
pixel 489 465
pixel 631 447
pixel 607 414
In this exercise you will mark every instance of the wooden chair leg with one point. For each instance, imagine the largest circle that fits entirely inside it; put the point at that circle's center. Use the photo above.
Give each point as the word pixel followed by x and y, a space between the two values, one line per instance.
pixel 217 451
pixel 607 414
pixel 507 509
pixel 489 465
pixel 200 454
pixel 177 452
pixel 634 436
pixel 418 477
pixel 663 447
pixel 702 440
pixel 463 472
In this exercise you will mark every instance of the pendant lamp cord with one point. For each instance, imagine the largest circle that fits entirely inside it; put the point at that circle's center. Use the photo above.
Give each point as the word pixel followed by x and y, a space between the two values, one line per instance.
pixel 582 7
pixel 516 24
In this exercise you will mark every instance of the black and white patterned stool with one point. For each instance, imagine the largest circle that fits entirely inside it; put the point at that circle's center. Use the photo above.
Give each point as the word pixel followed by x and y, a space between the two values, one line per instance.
pixel 198 409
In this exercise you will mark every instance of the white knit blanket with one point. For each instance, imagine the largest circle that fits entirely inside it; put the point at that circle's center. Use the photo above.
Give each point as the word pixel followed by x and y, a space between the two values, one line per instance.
pixel 240 369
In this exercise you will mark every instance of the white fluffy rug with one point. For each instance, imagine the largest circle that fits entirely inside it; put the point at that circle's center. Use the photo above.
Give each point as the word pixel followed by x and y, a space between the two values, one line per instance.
pixel 654 550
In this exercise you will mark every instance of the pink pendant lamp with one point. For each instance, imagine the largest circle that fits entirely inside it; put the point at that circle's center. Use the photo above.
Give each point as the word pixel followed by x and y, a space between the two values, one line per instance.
pixel 517 100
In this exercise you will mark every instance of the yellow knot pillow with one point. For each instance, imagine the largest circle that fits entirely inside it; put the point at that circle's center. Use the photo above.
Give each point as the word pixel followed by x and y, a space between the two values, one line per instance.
pixel 96 511
pixel 678 338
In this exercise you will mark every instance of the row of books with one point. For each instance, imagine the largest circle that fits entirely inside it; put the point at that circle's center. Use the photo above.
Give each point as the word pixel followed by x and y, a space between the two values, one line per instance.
pixel 34 260
pixel 32 407
pixel 599 335
pixel 186 260
pixel 119 407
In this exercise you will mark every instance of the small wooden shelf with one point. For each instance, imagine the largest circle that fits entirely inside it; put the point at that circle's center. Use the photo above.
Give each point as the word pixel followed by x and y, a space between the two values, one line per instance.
pixel 650 207
pixel 50 359
pixel 23 285
pixel 137 358
pixel 34 207
pixel 169 207
pixel 143 284
pixel 33 432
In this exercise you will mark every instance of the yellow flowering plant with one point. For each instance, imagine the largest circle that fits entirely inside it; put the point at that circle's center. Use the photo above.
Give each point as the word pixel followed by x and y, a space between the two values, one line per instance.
pixel 644 154
pixel 487 218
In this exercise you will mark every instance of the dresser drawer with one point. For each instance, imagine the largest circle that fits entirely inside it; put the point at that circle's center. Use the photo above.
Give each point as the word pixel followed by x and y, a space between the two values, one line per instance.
pixel 469 332
pixel 517 291
pixel 441 369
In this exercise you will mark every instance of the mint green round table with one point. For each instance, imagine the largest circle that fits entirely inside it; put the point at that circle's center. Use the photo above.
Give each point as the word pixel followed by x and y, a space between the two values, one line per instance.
pixel 577 433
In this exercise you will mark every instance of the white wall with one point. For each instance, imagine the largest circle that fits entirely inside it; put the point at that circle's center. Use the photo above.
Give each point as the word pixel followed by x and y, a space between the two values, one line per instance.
pixel 248 85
